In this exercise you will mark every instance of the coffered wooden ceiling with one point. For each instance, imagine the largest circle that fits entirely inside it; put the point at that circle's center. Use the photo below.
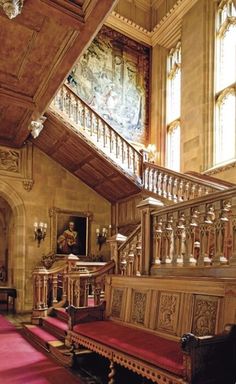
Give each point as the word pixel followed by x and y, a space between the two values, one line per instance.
pixel 37 50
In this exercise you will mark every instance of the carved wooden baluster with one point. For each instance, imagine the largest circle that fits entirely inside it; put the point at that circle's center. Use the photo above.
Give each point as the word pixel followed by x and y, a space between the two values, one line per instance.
pixel 76 112
pixel 175 189
pixel 63 99
pixel 170 188
pixel 72 107
pixel 180 234
pixel 175 244
pixel 80 115
pixel 198 190
pixel 131 258
pixel 128 157
pixel 154 180
pixel 169 236
pixel 148 178
pixel 220 229
pixel 123 263
pixel 151 180
pixel 193 226
pixel 133 162
pixel 186 190
pixel 95 127
pixel 45 291
pixel 122 152
pixel 202 229
pixel 205 232
pixel 54 288
pixel 68 105
pixel 160 187
pixel 158 232
pixel 164 185
pixel 116 147
pixel 187 245
pixel 180 191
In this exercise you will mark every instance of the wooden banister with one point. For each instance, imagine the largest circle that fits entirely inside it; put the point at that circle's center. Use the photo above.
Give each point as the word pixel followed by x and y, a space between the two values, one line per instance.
pixel 95 129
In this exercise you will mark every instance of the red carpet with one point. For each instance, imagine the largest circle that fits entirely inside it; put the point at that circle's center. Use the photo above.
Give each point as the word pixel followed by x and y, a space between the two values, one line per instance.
pixel 21 363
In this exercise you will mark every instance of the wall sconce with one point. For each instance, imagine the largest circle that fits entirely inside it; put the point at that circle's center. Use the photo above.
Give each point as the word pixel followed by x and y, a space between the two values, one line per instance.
pixel 101 236
pixel 40 230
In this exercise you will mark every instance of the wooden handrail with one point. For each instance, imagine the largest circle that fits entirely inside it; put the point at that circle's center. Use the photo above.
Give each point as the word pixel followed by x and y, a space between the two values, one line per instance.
pixel 95 129
pixel 164 182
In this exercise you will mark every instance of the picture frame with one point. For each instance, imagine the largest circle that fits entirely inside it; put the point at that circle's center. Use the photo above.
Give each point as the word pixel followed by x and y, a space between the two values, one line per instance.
pixel 68 238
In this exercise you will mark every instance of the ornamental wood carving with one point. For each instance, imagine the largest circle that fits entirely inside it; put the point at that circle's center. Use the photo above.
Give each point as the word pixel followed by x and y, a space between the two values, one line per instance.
pixel 117 299
pixel 205 315
pixel 138 307
pixel 168 311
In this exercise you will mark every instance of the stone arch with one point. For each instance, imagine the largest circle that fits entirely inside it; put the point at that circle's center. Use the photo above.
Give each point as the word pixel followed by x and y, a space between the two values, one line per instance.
pixel 17 238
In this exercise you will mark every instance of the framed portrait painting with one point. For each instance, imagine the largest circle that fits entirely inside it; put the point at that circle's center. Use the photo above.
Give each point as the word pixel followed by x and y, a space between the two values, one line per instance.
pixel 70 232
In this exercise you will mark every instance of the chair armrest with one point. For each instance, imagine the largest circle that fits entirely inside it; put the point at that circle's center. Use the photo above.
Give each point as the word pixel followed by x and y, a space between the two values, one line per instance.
pixel 85 314
pixel 210 358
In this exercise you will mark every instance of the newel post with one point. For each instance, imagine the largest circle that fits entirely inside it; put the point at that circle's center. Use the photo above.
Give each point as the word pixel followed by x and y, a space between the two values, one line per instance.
pixel 146 207
pixel 40 293
pixel 115 241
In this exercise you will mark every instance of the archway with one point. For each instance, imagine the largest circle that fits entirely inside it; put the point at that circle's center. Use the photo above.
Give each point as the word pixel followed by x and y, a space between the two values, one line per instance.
pixel 16 242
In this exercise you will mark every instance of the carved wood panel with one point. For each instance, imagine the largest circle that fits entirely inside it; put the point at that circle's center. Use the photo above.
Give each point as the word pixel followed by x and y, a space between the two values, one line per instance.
pixel 117 299
pixel 139 305
pixel 168 312
pixel 205 315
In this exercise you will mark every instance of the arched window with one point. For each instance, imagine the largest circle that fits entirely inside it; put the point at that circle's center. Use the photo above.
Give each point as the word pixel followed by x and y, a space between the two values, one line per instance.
pixel 225 97
pixel 173 108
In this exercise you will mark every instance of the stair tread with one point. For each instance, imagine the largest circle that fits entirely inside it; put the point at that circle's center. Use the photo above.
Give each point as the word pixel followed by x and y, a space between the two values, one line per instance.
pixel 60 324
pixel 41 333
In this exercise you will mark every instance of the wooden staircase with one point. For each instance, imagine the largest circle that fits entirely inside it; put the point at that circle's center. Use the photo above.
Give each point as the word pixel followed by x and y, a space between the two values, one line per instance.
pixel 50 335
pixel 88 147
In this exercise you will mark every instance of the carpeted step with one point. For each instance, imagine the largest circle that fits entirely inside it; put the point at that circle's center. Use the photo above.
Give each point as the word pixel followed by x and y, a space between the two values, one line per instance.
pixel 39 335
pixel 55 327
pixel 61 314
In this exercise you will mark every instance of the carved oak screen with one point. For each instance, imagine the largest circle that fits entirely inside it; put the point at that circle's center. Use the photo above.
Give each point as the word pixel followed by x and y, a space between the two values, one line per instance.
pixel 112 76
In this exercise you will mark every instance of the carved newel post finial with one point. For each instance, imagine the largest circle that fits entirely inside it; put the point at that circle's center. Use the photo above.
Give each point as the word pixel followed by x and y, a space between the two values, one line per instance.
pixel 12 8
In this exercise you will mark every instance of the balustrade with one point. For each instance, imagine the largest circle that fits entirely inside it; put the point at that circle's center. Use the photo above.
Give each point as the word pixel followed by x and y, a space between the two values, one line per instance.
pixel 200 233
pixel 129 255
pixel 86 121
pixel 66 283
pixel 175 186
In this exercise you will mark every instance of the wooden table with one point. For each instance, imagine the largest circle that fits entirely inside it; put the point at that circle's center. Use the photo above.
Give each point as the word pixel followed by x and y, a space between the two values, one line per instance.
pixel 10 292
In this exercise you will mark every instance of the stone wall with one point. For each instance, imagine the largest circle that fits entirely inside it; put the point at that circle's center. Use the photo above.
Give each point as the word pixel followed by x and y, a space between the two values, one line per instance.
pixel 53 186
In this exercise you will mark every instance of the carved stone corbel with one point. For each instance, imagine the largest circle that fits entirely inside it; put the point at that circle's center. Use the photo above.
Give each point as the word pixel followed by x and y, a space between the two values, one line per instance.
pixel 12 8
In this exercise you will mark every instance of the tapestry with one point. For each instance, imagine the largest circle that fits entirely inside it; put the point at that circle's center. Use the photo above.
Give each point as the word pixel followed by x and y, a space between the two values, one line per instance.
pixel 112 76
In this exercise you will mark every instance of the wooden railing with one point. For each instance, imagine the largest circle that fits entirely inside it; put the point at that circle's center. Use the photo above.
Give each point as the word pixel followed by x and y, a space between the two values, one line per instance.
pixel 198 233
pixel 129 255
pixel 95 129
pixel 176 186
pixel 196 237
pixel 67 283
